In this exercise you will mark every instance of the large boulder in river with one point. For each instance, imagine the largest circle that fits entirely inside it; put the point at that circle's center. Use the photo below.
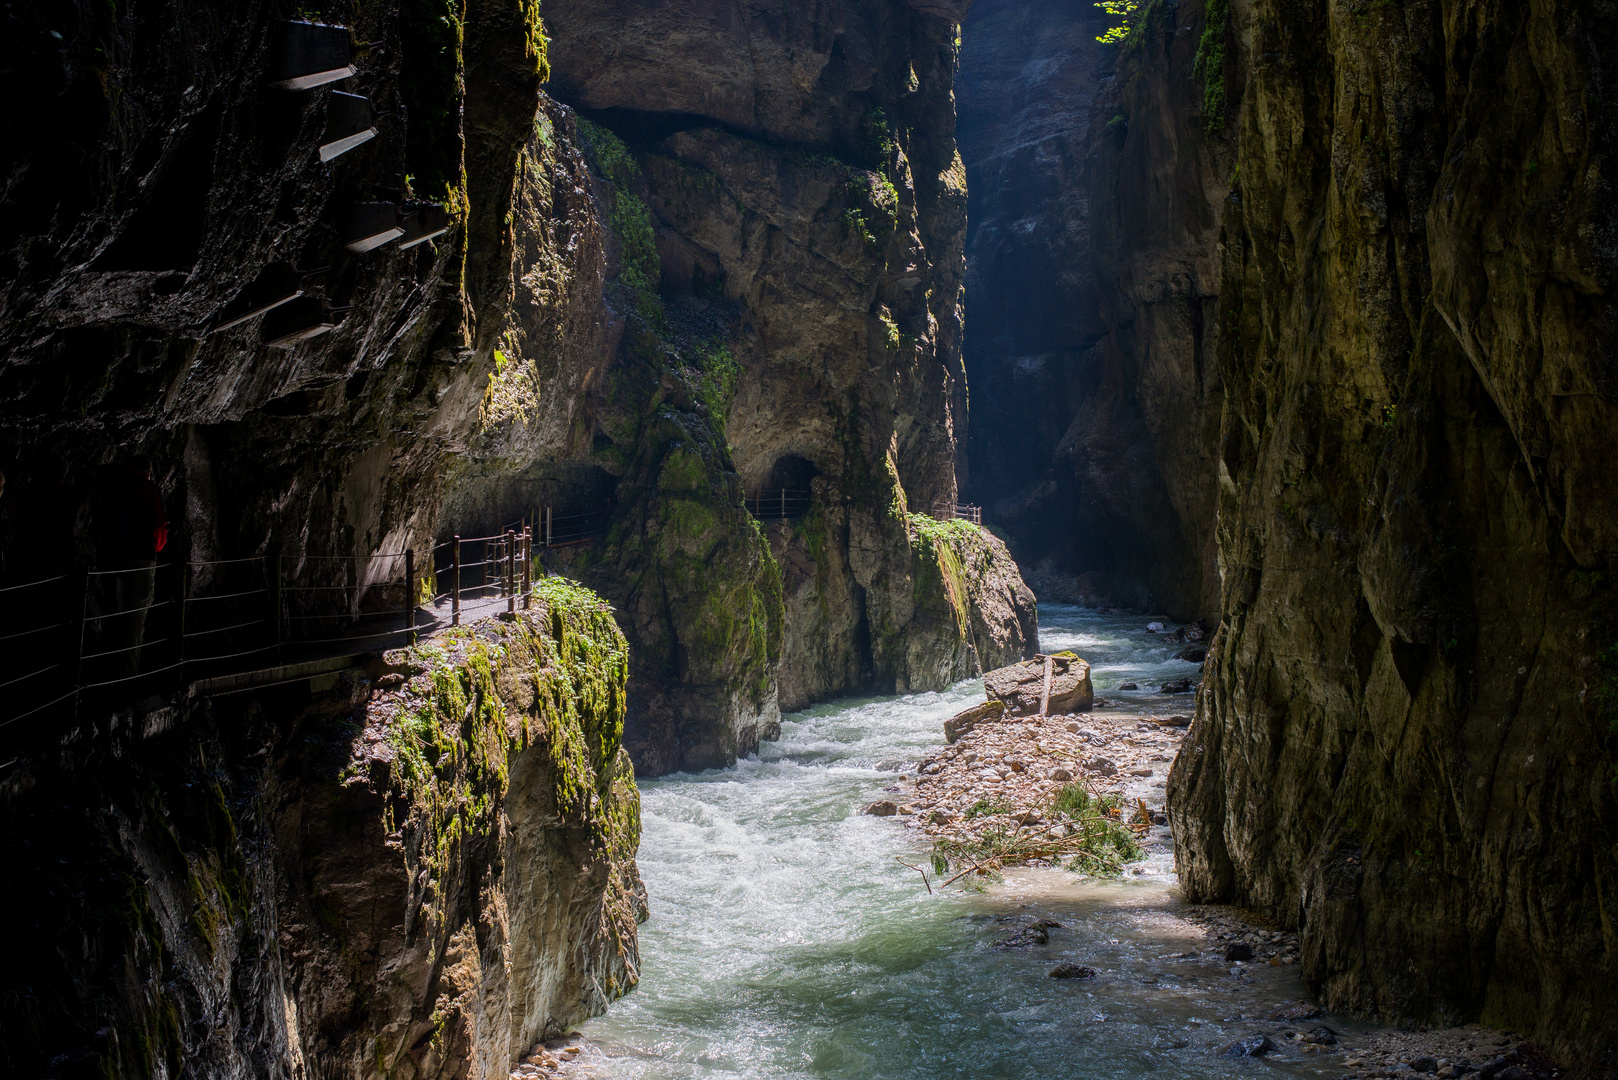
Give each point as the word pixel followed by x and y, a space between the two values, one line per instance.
pixel 1020 685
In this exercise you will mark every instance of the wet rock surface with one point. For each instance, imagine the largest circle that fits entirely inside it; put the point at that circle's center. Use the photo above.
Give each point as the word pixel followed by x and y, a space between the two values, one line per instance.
pixel 1402 670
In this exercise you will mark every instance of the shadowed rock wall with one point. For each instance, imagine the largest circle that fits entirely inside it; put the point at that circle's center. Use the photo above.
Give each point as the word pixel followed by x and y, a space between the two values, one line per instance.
pixel 1090 278
pixel 1405 738
pixel 417 872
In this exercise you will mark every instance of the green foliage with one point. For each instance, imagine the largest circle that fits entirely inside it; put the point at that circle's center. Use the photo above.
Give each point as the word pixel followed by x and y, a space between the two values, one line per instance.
pixel 939 546
pixel 630 220
pixel 717 387
pixel 876 140
pixel 1085 831
pixel 988 808
pixel 431 34
pixel 1123 13
pixel 1209 65
pixel 1107 843
pixel 854 225
pixel 538 44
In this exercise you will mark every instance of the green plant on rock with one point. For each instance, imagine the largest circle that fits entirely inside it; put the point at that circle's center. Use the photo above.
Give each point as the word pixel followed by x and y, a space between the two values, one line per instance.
pixel 876 140
pixel 1209 65
pixel 717 385
pixel 1123 13
pixel 854 225
pixel 630 220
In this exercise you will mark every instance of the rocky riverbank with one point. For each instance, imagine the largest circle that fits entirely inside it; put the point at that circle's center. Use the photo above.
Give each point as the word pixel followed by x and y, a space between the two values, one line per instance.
pixel 1074 788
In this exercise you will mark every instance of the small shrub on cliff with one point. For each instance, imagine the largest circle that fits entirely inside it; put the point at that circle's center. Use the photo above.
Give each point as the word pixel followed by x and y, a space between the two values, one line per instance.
pixel 630 220
pixel 1209 65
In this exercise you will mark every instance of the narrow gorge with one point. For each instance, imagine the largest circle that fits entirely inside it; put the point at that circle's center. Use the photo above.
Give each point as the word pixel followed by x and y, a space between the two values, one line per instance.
pixel 490 490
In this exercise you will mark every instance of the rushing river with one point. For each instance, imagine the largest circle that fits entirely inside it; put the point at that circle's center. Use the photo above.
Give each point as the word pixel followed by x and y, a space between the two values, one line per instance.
pixel 786 940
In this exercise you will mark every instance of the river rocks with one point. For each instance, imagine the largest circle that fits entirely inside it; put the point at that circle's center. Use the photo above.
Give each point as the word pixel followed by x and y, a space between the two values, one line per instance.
pixel 1240 951
pixel 1195 654
pixel 1072 971
pixel 882 808
pixel 1059 774
pixel 1101 767
pixel 1035 933
pixel 1177 686
pixel 1128 686
pixel 1179 721
pixel 965 721
pixel 1021 686
pixel 1295 1011
pixel 1251 1046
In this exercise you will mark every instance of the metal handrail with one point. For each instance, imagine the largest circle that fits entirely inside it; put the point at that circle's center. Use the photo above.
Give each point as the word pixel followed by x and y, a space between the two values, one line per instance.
pixel 183 634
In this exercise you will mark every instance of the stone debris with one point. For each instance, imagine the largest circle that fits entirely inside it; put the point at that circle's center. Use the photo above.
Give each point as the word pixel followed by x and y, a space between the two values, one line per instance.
pixel 1006 770
pixel 1465 1053
pixel 572 1057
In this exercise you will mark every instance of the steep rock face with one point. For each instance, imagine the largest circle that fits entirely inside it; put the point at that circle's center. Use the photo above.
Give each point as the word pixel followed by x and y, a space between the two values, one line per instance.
pixel 157 179
pixel 418 872
pixel 1405 739
pixel 1090 281
pixel 781 282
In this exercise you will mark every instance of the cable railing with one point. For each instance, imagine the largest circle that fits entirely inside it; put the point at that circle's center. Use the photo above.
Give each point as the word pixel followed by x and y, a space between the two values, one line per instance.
pixel 779 504
pixel 114 634
pixel 959 512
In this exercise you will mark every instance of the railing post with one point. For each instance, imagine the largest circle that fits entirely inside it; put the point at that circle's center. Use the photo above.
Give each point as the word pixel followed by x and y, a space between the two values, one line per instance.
pixel 272 581
pixel 455 582
pixel 548 520
pixel 511 572
pixel 410 594
pixel 527 568
pixel 179 629
pixel 78 660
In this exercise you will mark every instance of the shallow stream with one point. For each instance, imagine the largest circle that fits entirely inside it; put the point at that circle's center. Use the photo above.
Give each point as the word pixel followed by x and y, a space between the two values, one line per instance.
pixel 787 941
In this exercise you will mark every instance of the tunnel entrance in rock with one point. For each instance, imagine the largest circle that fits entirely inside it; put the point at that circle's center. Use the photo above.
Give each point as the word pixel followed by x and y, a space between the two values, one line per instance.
pixel 787 490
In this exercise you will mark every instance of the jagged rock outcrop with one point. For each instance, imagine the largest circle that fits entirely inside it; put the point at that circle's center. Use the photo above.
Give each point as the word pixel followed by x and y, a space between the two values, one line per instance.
pixel 419 871
pixel 777 249
pixel 1088 291
pixel 1405 742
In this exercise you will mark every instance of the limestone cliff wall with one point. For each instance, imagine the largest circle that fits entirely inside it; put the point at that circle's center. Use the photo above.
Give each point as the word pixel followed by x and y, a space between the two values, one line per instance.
pixel 1405 740
pixel 768 214
pixel 416 872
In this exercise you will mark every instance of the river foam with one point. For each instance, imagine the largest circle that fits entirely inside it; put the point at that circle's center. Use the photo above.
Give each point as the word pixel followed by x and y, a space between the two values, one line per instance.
pixel 787 941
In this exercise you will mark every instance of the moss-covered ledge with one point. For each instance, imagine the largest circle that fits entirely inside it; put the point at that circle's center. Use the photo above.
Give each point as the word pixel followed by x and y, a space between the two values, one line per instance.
pixel 472 885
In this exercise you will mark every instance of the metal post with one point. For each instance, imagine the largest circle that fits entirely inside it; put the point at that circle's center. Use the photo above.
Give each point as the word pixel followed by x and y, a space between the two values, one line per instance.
pixel 511 572
pixel 455 582
pixel 272 581
pixel 410 594
pixel 549 520
pixel 527 568
pixel 783 503
pixel 179 629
